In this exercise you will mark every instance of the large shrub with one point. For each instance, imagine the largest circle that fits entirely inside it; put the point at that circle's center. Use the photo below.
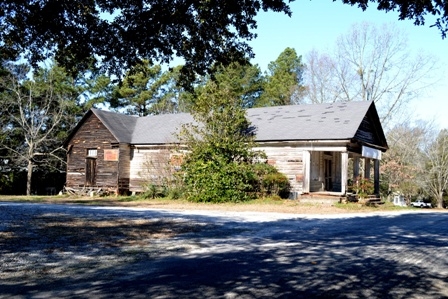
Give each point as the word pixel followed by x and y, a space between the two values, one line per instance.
pixel 219 163
pixel 270 182
pixel 219 181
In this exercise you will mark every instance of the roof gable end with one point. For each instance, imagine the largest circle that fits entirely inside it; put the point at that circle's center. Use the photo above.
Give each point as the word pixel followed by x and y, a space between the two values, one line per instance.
pixel 370 131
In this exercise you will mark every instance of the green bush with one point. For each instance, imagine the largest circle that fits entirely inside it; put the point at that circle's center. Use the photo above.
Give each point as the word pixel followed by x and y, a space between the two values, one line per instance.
pixel 217 181
pixel 175 192
pixel 363 187
pixel 276 184
pixel 270 181
pixel 153 191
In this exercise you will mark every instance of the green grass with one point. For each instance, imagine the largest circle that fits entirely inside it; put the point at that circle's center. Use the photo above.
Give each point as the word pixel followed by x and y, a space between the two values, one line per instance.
pixel 256 205
pixel 387 206
pixel 24 198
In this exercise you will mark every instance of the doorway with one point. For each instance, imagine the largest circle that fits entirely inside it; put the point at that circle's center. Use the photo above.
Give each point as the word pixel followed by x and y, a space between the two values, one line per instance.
pixel 328 170
pixel 90 171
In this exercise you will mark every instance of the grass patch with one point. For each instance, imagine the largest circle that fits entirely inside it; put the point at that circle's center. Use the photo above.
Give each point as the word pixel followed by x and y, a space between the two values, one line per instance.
pixel 274 205
pixel 24 198
pixel 354 206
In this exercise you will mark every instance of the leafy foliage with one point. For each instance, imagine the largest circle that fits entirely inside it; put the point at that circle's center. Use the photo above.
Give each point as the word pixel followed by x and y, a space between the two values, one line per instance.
pixel 363 187
pixel 118 34
pixel 146 89
pixel 218 166
pixel 284 84
pixel 245 80
pixel 270 181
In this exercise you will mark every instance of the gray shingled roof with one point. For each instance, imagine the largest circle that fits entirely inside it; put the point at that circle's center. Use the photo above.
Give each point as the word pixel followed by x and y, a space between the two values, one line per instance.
pixel 336 121
pixel 159 129
pixel 120 125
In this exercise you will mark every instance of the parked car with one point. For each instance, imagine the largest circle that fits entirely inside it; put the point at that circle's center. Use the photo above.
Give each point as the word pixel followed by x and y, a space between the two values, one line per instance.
pixel 421 204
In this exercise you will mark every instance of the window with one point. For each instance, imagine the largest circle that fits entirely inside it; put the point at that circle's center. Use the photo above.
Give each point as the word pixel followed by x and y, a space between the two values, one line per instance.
pixel 92 152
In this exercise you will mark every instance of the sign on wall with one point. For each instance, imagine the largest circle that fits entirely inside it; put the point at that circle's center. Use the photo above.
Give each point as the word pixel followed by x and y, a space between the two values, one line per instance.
pixel 111 154
pixel 372 153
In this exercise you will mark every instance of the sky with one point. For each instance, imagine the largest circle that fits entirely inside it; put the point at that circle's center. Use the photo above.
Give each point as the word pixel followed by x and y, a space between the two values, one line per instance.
pixel 316 25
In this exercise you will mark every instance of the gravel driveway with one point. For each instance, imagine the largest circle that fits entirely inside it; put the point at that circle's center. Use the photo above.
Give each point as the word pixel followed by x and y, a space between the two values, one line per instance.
pixel 67 251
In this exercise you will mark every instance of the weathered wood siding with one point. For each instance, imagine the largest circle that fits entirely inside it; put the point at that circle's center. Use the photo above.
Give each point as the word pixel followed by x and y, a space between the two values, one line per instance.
pixel 91 135
pixel 366 132
pixel 149 165
pixel 289 161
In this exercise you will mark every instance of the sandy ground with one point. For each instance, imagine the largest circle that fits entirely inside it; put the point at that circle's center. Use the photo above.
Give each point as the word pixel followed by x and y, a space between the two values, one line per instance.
pixel 68 250
pixel 320 207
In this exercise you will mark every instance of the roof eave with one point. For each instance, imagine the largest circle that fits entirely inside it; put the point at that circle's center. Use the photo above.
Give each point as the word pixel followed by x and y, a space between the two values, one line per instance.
pixel 332 140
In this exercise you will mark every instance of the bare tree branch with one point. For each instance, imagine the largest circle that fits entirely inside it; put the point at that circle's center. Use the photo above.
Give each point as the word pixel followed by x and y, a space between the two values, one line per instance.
pixel 370 64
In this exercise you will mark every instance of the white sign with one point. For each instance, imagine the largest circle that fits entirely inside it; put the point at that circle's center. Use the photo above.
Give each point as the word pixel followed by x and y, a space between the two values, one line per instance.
pixel 368 152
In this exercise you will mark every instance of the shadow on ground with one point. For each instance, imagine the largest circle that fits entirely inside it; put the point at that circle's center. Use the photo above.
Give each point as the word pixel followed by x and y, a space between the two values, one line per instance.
pixel 80 252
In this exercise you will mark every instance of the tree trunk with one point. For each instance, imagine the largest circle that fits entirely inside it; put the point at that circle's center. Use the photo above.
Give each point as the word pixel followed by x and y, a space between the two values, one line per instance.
pixel 440 200
pixel 28 177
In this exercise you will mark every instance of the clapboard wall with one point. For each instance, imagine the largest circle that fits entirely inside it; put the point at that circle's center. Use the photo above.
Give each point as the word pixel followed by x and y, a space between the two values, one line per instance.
pixel 93 135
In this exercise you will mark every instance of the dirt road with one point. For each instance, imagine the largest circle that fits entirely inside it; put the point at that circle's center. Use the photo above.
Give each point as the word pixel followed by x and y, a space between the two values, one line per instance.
pixel 69 251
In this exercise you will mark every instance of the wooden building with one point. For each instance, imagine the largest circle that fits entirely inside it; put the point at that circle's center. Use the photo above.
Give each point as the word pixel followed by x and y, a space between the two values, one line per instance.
pixel 311 144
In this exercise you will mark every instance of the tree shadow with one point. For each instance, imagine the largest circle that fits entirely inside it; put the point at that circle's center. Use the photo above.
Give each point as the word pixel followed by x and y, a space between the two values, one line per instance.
pixel 389 256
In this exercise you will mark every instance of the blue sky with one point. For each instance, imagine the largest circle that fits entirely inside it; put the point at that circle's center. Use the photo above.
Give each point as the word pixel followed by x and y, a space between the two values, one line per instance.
pixel 317 24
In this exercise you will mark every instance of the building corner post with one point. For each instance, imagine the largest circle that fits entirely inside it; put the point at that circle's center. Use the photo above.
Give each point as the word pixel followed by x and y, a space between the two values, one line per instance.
pixel 344 172
pixel 306 171
pixel 376 176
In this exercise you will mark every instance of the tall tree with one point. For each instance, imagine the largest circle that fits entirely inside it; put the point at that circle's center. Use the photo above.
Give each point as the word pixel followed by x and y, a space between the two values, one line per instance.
pixel 218 165
pixel 97 89
pixel 146 89
pixel 401 165
pixel 436 154
pixel 283 81
pixel 245 80
pixel 370 64
pixel 173 97
pixel 322 84
pixel 37 115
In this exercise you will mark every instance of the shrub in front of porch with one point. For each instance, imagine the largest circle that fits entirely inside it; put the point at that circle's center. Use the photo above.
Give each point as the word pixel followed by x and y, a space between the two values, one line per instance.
pixel 363 187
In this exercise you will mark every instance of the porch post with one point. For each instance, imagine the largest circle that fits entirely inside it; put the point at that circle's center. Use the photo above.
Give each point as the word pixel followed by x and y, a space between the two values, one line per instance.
pixel 344 170
pixel 355 168
pixel 376 176
pixel 366 168
pixel 306 171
